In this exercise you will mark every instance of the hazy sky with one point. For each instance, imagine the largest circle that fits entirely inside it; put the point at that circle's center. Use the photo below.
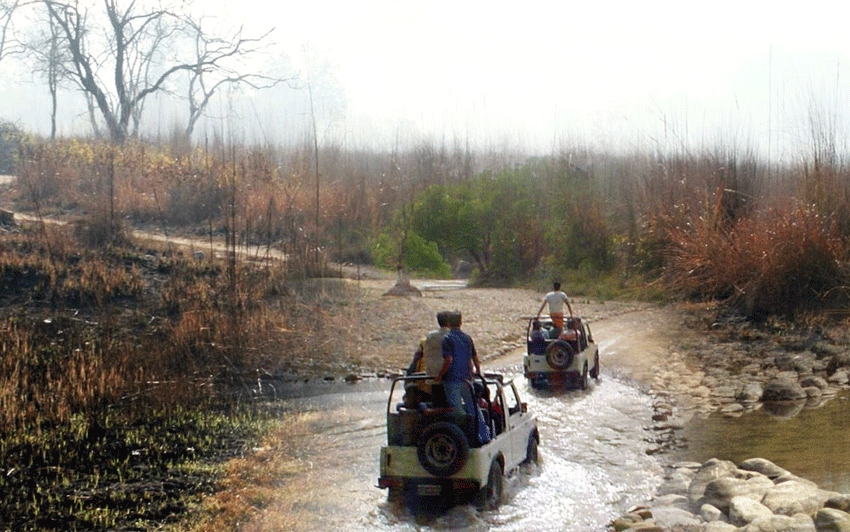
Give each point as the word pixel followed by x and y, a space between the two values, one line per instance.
pixel 619 73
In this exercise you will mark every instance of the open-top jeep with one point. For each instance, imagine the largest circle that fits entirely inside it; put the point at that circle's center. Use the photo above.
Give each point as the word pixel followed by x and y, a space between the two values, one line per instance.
pixel 560 357
pixel 436 457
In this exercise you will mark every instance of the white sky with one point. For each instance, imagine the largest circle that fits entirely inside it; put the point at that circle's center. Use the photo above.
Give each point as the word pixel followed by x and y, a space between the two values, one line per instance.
pixel 602 71
pixel 618 73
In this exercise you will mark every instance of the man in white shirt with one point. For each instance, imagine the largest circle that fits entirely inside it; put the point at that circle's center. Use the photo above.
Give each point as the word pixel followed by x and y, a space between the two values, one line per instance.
pixel 556 299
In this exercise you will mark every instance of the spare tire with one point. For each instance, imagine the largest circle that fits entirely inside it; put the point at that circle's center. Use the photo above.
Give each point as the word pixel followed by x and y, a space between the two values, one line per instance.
pixel 559 354
pixel 442 449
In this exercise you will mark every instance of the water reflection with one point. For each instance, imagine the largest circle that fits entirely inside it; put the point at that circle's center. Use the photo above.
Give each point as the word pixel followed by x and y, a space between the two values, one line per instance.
pixel 813 443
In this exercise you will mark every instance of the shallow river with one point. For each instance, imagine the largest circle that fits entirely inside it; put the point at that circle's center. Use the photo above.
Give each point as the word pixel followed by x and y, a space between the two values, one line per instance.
pixel 596 452
pixel 594 463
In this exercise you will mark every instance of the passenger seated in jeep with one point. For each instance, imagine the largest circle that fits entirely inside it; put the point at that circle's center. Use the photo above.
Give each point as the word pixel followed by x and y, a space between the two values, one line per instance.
pixel 537 339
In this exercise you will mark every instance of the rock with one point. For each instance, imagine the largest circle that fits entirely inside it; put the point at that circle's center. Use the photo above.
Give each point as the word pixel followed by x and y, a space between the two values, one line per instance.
pixel 838 361
pixel 719 526
pixel 781 523
pixel 832 520
pixel 839 501
pixel 783 389
pixel 669 517
pixel 839 377
pixel 765 467
pixel 676 482
pixel 750 393
pixel 813 380
pixel 710 513
pixel 793 497
pixel 745 510
pixel 711 470
pixel 721 491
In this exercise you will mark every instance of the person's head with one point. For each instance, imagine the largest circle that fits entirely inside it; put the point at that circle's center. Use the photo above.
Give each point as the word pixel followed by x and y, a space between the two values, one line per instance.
pixel 443 318
pixel 556 285
pixel 535 325
pixel 455 319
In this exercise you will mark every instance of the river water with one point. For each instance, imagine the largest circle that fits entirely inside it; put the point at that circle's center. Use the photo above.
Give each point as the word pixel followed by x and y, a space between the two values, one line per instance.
pixel 812 441
pixel 598 456
pixel 593 465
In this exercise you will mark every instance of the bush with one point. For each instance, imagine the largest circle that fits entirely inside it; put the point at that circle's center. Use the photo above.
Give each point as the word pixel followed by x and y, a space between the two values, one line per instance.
pixel 419 255
pixel 11 138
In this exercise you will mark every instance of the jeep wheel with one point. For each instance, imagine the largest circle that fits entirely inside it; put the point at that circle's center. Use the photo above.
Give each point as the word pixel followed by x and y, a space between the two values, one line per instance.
pixel 583 379
pixel 443 449
pixel 595 371
pixel 531 454
pixel 491 494
pixel 559 354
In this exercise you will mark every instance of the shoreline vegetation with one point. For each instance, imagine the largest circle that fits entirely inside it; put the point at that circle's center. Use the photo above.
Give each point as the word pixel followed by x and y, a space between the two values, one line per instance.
pixel 116 348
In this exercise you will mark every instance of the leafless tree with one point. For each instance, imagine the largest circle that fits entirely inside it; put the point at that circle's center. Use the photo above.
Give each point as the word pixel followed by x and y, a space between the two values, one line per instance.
pixel 45 53
pixel 142 53
pixel 7 9
pixel 221 64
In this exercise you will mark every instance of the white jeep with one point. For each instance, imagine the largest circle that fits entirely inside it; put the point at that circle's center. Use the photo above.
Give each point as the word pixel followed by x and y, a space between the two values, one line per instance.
pixel 558 358
pixel 436 457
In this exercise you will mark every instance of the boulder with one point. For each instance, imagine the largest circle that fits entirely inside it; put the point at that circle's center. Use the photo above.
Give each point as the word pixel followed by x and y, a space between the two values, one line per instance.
pixel 669 517
pixel 763 466
pixel 719 526
pixel 781 523
pixel 711 513
pixel 838 501
pixel 711 470
pixel 745 510
pixel 838 361
pixel 783 389
pixel 839 377
pixel 751 392
pixel 814 381
pixel 832 520
pixel 793 497
pixel 721 491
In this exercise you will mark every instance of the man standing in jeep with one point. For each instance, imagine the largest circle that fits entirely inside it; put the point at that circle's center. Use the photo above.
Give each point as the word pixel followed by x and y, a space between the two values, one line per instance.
pixel 556 299
pixel 459 361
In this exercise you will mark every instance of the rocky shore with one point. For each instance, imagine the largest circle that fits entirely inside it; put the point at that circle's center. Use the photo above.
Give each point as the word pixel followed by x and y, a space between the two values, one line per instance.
pixel 753 496
pixel 731 370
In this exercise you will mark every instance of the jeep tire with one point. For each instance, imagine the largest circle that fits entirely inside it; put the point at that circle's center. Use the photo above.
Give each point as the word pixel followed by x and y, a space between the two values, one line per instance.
pixel 491 494
pixel 559 355
pixel 442 449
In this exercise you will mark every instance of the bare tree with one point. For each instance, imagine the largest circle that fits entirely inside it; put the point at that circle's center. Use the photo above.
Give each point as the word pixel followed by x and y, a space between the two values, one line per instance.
pixel 7 9
pixel 221 63
pixel 141 53
pixel 45 53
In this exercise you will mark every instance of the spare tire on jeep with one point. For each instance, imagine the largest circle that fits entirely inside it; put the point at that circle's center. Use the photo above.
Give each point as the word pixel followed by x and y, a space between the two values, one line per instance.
pixel 559 354
pixel 442 449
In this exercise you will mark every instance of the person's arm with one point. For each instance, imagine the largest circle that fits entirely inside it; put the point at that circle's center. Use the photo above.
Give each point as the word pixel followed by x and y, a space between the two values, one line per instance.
pixel 541 308
pixel 567 301
pixel 448 351
pixel 447 361
pixel 476 365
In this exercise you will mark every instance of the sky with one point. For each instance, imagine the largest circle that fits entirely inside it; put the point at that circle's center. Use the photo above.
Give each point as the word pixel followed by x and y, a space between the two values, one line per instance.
pixel 619 74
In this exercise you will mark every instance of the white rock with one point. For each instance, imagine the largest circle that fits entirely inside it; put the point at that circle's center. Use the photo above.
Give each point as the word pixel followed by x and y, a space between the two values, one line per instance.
pixel 744 510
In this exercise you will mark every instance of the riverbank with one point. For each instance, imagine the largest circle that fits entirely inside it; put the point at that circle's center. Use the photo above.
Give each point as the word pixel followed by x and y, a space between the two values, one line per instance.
pixel 733 368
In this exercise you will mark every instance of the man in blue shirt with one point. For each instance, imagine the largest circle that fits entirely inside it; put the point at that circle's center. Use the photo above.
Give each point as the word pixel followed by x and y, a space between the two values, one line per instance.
pixel 459 361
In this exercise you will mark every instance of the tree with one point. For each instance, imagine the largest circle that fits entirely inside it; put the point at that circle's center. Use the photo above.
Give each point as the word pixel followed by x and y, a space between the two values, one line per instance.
pixel 7 9
pixel 142 53
pixel 222 56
